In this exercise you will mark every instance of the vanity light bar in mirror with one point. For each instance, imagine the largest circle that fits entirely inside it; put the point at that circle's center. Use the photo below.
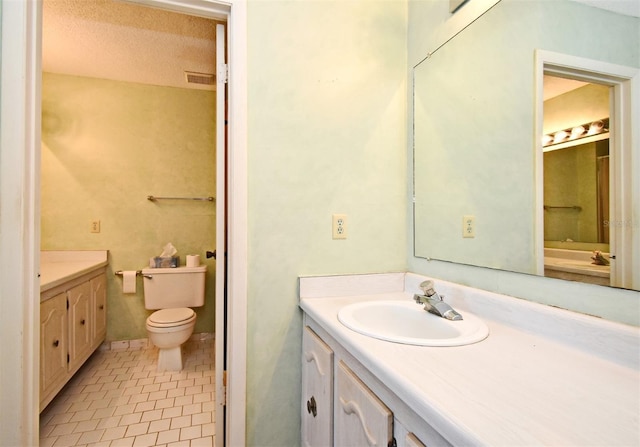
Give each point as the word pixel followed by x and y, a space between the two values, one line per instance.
pixel 576 133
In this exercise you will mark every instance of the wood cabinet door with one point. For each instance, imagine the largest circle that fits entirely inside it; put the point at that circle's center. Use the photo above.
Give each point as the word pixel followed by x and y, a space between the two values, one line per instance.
pixel 317 391
pixel 99 308
pixel 53 342
pixel 361 419
pixel 79 324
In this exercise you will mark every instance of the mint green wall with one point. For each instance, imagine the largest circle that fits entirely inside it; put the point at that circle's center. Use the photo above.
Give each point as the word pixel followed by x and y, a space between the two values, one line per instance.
pixel 327 105
pixel 106 145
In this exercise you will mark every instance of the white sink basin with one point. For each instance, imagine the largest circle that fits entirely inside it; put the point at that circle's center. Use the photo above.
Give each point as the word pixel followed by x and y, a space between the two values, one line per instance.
pixel 408 323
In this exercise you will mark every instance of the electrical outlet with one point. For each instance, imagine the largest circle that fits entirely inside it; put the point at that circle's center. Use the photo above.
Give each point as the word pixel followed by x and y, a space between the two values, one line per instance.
pixel 95 226
pixel 468 226
pixel 339 226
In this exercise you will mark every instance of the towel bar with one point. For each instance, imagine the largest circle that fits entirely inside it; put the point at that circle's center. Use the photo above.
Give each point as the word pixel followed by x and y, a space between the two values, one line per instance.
pixel 204 199
pixel 138 273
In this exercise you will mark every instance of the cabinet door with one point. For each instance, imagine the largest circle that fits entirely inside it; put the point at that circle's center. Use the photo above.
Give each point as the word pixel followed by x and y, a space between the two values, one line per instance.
pixel 53 342
pixel 99 308
pixel 361 418
pixel 317 391
pixel 79 324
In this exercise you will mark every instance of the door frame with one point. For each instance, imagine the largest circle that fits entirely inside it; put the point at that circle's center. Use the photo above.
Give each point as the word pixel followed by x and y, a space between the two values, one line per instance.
pixel 624 146
pixel 20 111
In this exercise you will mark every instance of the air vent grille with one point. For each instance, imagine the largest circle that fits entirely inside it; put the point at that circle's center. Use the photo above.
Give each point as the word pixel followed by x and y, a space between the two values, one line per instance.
pixel 200 78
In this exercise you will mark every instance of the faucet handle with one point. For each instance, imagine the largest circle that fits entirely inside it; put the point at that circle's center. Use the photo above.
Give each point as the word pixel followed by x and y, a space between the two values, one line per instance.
pixel 427 287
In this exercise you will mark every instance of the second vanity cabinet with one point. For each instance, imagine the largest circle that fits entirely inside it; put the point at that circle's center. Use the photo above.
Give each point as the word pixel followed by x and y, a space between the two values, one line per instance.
pixel 73 319
pixel 340 409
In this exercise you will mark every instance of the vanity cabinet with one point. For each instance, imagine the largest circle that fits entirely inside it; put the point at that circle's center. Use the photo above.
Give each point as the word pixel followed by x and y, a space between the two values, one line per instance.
pixel 72 327
pixel 341 408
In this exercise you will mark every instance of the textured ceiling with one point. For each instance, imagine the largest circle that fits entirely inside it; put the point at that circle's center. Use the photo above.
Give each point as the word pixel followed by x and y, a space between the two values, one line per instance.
pixel 109 39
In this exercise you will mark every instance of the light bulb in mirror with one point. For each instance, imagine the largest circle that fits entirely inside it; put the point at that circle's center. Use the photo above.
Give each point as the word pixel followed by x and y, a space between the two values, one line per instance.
pixel 577 131
pixel 560 136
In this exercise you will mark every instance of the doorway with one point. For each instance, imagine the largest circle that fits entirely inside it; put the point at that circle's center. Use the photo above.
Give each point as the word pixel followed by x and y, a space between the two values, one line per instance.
pixel 620 84
pixel 125 121
pixel 20 122
pixel 575 143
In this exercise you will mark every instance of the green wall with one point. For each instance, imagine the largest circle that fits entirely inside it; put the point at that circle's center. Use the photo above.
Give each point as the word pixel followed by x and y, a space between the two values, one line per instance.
pixel 327 117
pixel 106 145
pixel 570 180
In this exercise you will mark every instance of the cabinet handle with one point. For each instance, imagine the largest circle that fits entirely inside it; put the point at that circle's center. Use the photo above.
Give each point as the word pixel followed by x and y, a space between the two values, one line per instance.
pixel 82 322
pixel 351 407
pixel 56 343
pixel 101 307
pixel 311 406
pixel 311 356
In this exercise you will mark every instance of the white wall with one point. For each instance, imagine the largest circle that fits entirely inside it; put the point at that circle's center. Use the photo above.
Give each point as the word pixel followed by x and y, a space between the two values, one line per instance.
pixel 19 244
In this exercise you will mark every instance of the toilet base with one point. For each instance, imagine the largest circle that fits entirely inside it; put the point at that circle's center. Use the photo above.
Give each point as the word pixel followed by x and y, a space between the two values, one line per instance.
pixel 170 359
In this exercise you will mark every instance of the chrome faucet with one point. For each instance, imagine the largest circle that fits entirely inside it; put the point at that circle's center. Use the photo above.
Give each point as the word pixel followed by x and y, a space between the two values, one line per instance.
pixel 433 302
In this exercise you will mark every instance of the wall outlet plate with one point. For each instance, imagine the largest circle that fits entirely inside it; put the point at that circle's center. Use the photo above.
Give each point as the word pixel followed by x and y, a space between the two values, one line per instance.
pixel 468 226
pixel 339 226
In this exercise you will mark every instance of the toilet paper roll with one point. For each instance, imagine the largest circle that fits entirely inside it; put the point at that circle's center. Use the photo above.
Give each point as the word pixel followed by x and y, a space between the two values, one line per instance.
pixel 193 260
pixel 129 281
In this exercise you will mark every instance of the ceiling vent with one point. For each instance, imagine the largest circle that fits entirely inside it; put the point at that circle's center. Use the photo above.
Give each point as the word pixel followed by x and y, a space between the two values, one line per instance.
pixel 200 78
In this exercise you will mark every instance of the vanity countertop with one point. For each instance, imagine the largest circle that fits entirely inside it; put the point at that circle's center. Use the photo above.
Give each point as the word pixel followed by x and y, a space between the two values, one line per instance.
pixel 60 266
pixel 574 261
pixel 544 376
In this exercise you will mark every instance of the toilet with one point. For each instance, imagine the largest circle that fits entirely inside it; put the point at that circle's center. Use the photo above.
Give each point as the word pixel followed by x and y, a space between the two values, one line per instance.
pixel 172 292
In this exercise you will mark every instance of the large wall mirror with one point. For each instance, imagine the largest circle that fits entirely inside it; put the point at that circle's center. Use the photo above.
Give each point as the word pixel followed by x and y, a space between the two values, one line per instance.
pixel 503 176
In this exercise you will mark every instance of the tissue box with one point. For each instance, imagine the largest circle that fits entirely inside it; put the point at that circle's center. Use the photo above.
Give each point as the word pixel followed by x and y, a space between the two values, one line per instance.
pixel 164 262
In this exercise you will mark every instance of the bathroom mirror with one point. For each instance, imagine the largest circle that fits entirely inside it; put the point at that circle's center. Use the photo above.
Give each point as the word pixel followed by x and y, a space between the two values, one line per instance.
pixel 477 179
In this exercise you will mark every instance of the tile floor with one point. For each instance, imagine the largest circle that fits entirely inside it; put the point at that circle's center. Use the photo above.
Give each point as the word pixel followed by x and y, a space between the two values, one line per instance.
pixel 119 399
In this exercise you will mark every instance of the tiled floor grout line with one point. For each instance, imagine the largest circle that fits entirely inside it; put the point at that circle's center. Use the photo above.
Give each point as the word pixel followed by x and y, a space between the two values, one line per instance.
pixel 119 399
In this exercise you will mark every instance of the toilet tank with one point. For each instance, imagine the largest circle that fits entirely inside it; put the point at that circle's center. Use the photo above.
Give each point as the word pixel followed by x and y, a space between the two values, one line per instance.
pixel 174 287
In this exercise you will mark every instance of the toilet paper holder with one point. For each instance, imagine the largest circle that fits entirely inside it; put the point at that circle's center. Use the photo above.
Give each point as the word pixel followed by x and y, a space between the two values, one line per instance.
pixel 138 273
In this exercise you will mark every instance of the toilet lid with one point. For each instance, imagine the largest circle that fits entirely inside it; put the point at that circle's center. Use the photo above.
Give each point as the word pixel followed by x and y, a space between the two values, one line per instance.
pixel 175 315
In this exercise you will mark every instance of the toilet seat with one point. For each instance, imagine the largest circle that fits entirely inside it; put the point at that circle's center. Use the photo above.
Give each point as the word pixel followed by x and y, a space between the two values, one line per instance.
pixel 171 317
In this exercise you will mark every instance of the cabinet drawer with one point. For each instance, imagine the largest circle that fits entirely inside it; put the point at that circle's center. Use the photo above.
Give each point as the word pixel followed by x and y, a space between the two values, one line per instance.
pixel 317 391
pixel 361 418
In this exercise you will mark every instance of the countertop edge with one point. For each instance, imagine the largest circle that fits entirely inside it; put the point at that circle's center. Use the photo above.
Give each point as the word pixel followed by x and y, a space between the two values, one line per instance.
pixel 60 267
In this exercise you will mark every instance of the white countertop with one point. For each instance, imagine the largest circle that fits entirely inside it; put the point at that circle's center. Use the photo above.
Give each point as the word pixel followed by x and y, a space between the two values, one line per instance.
pixel 544 376
pixel 60 266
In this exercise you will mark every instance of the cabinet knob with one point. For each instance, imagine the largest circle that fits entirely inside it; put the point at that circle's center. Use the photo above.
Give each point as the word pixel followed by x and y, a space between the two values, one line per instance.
pixel 56 343
pixel 82 322
pixel 101 307
pixel 311 406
